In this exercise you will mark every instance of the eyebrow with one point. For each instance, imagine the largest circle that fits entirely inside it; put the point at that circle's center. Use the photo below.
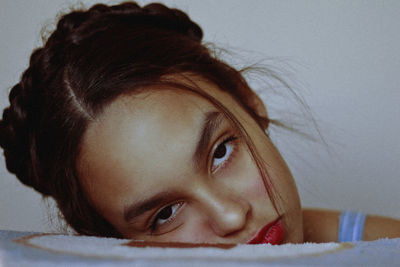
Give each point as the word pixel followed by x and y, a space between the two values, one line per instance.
pixel 211 123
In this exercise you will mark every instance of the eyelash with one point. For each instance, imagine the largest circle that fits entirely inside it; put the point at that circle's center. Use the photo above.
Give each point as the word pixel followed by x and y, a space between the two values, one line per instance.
pixel 229 140
pixel 154 225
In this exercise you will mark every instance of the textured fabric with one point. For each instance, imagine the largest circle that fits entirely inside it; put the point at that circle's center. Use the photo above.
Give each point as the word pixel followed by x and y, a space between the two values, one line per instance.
pixel 351 226
pixel 76 251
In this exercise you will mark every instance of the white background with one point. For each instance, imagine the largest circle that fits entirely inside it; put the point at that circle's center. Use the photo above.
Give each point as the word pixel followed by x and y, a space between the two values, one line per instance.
pixel 342 57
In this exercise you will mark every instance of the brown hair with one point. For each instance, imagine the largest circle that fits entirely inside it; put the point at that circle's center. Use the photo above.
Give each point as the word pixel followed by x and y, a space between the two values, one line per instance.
pixel 90 59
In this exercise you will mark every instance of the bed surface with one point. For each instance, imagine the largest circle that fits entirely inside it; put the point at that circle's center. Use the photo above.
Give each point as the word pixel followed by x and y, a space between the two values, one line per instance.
pixel 32 249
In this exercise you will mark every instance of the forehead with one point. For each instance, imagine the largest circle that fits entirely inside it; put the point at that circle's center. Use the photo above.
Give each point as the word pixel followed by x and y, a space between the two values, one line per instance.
pixel 151 112
pixel 153 119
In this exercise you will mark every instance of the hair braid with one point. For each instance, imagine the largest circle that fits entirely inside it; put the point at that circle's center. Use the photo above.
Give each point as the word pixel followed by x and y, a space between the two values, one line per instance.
pixel 17 128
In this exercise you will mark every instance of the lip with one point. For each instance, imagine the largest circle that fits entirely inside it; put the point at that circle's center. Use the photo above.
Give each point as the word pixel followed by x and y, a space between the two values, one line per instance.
pixel 272 233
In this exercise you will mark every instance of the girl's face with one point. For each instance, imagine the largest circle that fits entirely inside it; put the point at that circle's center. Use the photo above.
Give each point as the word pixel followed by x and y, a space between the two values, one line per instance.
pixel 166 165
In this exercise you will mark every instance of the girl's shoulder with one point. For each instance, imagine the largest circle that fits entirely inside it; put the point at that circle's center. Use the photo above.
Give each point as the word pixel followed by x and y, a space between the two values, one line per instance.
pixel 333 226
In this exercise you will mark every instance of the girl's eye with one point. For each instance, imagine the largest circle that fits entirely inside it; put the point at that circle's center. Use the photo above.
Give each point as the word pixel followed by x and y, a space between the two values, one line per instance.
pixel 165 215
pixel 222 153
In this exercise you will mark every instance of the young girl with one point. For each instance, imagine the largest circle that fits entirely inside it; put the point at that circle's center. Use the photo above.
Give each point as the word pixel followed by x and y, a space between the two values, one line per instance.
pixel 137 131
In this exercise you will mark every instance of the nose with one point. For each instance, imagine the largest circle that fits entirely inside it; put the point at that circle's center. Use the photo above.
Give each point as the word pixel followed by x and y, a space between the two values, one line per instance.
pixel 226 213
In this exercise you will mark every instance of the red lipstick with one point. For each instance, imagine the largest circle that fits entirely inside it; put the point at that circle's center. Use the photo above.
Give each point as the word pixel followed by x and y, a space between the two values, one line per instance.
pixel 271 233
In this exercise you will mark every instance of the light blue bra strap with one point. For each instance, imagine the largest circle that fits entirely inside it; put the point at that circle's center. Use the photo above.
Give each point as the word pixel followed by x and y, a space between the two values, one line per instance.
pixel 351 226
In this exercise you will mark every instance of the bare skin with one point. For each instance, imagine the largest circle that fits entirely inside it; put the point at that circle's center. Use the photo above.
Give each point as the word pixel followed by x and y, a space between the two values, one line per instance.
pixel 322 226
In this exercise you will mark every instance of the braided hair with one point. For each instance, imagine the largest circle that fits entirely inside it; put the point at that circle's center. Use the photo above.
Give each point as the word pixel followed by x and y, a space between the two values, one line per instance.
pixel 91 58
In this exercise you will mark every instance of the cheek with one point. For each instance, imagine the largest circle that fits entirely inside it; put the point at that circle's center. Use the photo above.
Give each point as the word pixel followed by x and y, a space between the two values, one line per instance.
pixel 193 232
pixel 244 177
pixel 252 186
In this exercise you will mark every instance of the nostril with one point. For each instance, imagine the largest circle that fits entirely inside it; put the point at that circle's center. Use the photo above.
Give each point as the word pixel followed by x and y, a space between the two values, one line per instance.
pixel 231 219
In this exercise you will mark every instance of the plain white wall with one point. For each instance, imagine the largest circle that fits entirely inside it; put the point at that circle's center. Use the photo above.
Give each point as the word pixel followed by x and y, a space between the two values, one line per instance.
pixel 341 56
